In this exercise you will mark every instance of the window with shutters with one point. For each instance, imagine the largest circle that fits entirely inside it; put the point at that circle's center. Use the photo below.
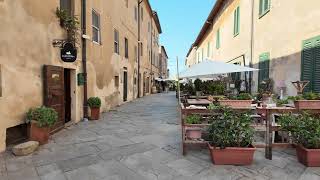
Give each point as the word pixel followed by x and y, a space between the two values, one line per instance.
pixel 116 41
pixel 264 7
pixel 264 65
pixel 126 48
pixel 218 39
pixel 310 64
pixel 236 25
pixel 96 27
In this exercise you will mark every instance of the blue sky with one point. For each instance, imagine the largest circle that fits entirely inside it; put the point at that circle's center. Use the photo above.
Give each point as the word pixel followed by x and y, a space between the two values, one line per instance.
pixel 181 21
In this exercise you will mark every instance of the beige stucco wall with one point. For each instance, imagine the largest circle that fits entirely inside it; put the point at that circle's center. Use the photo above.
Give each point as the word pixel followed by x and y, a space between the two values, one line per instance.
pixel 26 34
pixel 280 32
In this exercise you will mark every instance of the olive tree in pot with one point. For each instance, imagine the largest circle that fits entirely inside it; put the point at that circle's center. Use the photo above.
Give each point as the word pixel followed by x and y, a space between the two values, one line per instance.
pixel 41 119
pixel 193 132
pixel 94 104
pixel 305 131
pixel 230 138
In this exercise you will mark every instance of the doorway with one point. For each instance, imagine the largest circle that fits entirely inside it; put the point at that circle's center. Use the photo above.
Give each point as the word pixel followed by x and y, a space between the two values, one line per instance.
pixel 125 86
pixel 67 97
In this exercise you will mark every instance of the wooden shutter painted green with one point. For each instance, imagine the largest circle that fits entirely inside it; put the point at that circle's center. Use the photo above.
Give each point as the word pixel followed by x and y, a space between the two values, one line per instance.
pixel 236 27
pixel 264 66
pixel 260 7
pixel 310 64
pixel 264 7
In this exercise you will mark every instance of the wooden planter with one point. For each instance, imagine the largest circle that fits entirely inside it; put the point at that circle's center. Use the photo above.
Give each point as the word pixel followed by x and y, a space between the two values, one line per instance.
pixel 231 155
pixel 40 134
pixel 308 157
pixel 236 103
pixel 307 104
pixel 95 113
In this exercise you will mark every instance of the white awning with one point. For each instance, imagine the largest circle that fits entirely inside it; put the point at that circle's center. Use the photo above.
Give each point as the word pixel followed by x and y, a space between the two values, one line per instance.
pixel 208 68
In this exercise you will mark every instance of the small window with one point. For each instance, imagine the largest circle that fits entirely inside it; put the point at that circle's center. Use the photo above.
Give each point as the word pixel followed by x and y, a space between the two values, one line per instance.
pixel 136 13
pixel 136 53
pixel 116 41
pixel 95 27
pixel 66 5
pixel 141 14
pixel 116 81
pixel 218 39
pixel 126 48
pixel 264 7
pixel 236 26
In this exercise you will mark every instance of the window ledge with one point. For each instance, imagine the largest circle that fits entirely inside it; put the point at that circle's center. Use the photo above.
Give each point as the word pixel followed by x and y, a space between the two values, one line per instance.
pixel 235 35
pixel 94 42
pixel 263 14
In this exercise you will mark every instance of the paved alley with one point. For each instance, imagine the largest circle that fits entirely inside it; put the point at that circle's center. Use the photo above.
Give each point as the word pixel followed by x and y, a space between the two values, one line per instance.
pixel 137 141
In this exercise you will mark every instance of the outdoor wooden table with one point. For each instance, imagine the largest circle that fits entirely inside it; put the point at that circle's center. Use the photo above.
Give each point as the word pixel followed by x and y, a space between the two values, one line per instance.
pixel 201 102
pixel 199 97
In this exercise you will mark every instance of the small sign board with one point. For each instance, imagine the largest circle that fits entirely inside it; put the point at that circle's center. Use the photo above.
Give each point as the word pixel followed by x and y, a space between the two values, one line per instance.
pixel 68 52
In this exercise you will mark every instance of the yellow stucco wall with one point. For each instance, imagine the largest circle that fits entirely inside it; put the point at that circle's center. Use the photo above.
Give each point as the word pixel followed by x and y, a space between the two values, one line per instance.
pixel 280 32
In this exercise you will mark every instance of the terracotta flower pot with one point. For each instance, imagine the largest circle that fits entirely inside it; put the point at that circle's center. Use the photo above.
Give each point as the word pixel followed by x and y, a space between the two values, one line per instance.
pixel 232 155
pixel 308 157
pixel 95 113
pixel 40 134
pixel 236 103
pixel 307 104
pixel 194 133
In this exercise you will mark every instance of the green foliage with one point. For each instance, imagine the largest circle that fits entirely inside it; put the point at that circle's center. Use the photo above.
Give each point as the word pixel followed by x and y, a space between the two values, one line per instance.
pixel 304 128
pixel 193 119
pixel 281 102
pixel 94 102
pixel 231 129
pixel 241 96
pixel 198 84
pixel 69 23
pixel 44 116
pixel 214 106
pixel 306 96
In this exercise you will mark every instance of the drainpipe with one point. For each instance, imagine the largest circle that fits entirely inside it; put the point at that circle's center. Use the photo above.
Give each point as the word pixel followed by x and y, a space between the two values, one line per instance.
pixel 84 60
pixel 139 48
pixel 251 46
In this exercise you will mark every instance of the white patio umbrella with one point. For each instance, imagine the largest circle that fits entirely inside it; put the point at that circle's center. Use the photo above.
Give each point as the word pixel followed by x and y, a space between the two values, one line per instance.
pixel 209 68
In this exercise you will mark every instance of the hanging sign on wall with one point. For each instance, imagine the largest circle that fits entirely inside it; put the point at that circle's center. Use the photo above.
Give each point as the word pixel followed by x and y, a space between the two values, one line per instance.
pixel 68 52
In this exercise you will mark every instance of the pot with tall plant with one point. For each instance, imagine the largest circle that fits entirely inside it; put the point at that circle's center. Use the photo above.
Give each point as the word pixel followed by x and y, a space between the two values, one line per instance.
pixel 94 104
pixel 193 132
pixel 305 132
pixel 40 120
pixel 231 138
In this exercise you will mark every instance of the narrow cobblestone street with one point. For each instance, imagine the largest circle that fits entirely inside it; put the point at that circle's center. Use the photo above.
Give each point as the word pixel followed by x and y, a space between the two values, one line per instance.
pixel 139 140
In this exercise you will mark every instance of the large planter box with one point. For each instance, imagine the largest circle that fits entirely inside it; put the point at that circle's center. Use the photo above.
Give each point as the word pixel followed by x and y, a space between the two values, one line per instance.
pixel 40 134
pixel 308 157
pixel 194 133
pixel 236 103
pixel 307 104
pixel 232 155
pixel 95 113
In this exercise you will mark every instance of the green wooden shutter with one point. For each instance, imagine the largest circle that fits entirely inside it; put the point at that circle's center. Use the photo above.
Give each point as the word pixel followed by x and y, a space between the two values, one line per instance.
pixel 264 66
pixel 260 7
pixel 218 39
pixel 307 64
pixel 316 77
pixel 266 5
pixel 236 23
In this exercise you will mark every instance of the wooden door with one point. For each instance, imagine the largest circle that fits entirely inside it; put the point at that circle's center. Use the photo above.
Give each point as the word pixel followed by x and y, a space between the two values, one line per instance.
pixel 54 93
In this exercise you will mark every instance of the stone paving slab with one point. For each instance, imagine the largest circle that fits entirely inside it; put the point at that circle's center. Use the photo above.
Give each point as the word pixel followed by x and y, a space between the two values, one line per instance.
pixel 139 141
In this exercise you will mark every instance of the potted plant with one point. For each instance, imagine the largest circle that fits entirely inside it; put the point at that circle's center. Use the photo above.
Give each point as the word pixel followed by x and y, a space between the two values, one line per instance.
pixel 308 100
pixel 40 121
pixel 305 131
pixel 240 101
pixel 197 86
pixel 94 104
pixel 230 139
pixel 193 132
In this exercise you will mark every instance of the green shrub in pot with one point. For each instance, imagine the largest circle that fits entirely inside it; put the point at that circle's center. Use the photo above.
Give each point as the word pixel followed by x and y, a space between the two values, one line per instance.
pixel 94 102
pixel 43 116
pixel 193 119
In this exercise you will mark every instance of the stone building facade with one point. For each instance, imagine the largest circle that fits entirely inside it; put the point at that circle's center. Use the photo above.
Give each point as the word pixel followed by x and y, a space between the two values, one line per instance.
pixel 278 37
pixel 30 43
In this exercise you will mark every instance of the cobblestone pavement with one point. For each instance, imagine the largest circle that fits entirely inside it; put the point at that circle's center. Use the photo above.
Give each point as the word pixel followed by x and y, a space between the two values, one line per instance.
pixel 137 141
